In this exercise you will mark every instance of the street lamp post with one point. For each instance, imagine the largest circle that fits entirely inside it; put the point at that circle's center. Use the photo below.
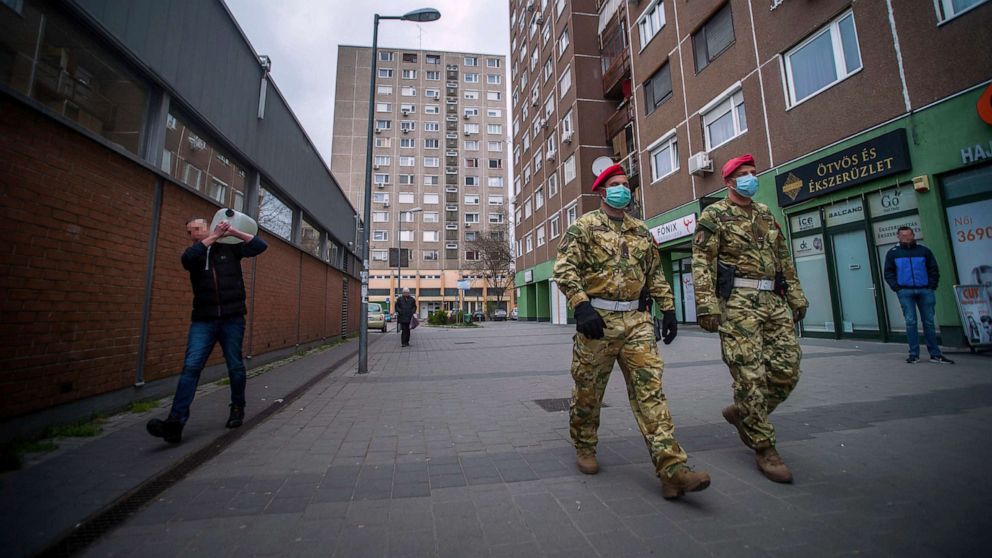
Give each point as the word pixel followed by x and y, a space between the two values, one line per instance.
pixel 421 15
pixel 399 251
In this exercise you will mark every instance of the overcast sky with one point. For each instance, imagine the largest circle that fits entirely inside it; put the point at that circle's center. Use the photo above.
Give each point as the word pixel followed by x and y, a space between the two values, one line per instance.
pixel 301 37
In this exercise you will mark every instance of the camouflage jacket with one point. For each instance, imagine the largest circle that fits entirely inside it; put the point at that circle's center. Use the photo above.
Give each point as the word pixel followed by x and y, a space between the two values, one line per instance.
pixel 748 239
pixel 600 258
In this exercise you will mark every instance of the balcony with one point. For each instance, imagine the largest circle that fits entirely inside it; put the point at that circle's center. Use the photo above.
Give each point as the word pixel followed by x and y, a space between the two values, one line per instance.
pixel 619 120
pixel 615 57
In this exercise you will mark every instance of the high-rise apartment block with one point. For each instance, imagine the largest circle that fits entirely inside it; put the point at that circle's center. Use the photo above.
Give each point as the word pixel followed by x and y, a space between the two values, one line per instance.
pixel 861 115
pixel 439 166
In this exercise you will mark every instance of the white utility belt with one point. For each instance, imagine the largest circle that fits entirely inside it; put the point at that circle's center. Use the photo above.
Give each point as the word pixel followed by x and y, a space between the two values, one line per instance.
pixel 760 284
pixel 614 305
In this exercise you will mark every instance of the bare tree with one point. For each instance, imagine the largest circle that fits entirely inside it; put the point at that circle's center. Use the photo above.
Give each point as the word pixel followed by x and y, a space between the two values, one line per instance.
pixel 494 259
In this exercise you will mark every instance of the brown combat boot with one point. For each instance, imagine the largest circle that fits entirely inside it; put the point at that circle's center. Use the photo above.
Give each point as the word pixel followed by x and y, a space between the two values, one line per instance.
pixel 730 415
pixel 772 466
pixel 586 460
pixel 684 480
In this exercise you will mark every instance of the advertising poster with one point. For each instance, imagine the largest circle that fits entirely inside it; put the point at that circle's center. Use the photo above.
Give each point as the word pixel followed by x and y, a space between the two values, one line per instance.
pixel 971 237
pixel 976 313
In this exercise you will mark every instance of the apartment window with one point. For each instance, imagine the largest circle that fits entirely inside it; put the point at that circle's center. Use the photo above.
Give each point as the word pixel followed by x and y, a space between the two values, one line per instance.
pixel 548 69
pixel 471 180
pixel 471 128
pixel 406 236
pixel 217 190
pixel 528 208
pixel 432 179
pixel 408 91
pixel 433 75
pixel 409 74
pixel 516 155
pixel 495 163
pixel 555 226
pixel 406 197
pixel 664 159
pixel 571 215
pixel 565 82
pixel 471 200
pixel 472 163
pixel 432 162
pixel 494 129
pixel 408 143
pixel 714 37
pixel 431 199
pixel 516 214
pixel 432 59
pixel 826 58
pixel 430 216
pixel 432 143
pixel 470 95
pixel 496 200
pixel 492 62
pixel 471 236
pixel 471 255
pixel 386 56
pixel 725 121
pixel 540 236
pixel 527 172
pixel 380 236
pixel 563 42
pixel 432 127
pixel 552 185
pixel 432 93
pixel 407 126
pixel 385 73
pixel 192 175
pixel 539 198
pixel 380 216
pixel 566 125
pixel 494 145
pixel 949 9
pixel 495 218
pixel 658 89
pixel 432 109
pixel 383 124
pixel 408 179
pixel 382 160
pixel 551 144
pixel 520 250
pixel 569 169
pixel 381 179
pixel 384 107
pixel 471 60
pixel 533 59
pixel 494 79
pixel 471 145
pixel 529 242
pixel 380 197
pixel 471 218
pixel 538 160
pixel 408 161
pixel 495 181
pixel 430 255
pixel 651 22
pixel 546 34
pixel 472 111
pixel 471 78
pixel 380 255
pixel 384 89
pixel 494 113
pixel 431 236
pixel 549 106
pixel 408 108
pixel 383 142
pixel 516 186
pixel 494 95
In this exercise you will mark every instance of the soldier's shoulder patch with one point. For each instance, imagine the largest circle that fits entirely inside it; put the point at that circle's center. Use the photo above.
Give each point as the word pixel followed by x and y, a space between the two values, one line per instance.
pixel 701 236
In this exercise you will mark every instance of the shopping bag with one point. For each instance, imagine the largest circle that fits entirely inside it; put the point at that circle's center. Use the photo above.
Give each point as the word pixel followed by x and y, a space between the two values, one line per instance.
pixel 414 322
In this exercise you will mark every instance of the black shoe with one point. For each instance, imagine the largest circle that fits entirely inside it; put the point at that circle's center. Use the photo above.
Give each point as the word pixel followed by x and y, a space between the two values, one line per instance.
pixel 237 417
pixel 912 360
pixel 941 359
pixel 170 430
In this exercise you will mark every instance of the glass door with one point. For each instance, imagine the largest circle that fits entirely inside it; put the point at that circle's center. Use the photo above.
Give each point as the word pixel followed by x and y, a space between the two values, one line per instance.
pixel 856 289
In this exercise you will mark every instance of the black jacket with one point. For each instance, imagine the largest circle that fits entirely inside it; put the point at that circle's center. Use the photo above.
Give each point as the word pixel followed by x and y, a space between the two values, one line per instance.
pixel 911 267
pixel 405 309
pixel 218 285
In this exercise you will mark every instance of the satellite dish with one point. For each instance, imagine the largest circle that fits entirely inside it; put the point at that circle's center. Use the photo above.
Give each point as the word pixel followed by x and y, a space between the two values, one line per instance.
pixel 601 164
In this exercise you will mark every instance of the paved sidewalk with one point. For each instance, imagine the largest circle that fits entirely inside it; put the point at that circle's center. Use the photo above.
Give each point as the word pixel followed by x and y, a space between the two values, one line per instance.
pixel 47 499
pixel 442 451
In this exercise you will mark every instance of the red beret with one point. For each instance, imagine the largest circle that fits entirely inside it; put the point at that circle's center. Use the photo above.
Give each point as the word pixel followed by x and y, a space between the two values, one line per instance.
pixel 730 166
pixel 608 173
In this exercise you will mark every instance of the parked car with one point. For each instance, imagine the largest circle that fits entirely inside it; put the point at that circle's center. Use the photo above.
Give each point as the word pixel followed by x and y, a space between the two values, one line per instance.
pixel 478 316
pixel 513 314
pixel 499 315
pixel 377 319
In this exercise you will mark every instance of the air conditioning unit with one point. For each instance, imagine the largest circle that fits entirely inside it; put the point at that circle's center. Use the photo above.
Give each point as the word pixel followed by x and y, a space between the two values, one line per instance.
pixel 544 123
pixel 465 116
pixel 405 112
pixel 467 133
pixel 406 131
pixel 567 136
pixel 378 130
pixel 376 167
pixel 535 101
pixel 539 20
pixel 700 163
pixel 551 155
pixel 385 205
pixel 380 185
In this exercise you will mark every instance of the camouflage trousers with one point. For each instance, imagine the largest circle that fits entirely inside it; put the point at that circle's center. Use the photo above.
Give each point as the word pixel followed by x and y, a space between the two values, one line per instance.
pixel 758 341
pixel 629 340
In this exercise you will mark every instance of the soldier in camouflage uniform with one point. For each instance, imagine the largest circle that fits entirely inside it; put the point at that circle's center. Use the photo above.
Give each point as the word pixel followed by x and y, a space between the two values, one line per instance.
pixel 757 335
pixel 610 270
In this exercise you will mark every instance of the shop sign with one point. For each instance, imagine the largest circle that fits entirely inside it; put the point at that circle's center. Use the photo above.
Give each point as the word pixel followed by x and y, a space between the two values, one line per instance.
pixel 975 308
pixel 528 275
pixel 886 231
pixel 806 221
pixel 845 212
pixel 976 153
pixel 885 155
pixel 464 284
pixel 683 226
pixel 892 201
pixel 807 246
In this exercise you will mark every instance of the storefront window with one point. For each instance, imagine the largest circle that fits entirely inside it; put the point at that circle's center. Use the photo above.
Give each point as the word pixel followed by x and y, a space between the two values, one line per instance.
pixel 310 238
pixel 811 268
pixel 274 215
pixel 968 197
pixel 192 158
pixel 45 57
pixel 882 204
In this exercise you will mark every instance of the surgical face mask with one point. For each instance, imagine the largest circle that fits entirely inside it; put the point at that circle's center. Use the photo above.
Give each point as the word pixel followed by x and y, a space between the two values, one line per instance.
pixel 618 196
pixel 747 185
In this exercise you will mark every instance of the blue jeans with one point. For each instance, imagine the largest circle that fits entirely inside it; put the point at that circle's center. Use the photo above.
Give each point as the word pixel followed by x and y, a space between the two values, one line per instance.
pixel 909 299
pixel 200 343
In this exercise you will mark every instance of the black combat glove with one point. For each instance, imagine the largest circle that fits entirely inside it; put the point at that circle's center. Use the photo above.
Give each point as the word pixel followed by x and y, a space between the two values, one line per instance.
pixel 588 322
pixel 669 326
pixel 644 302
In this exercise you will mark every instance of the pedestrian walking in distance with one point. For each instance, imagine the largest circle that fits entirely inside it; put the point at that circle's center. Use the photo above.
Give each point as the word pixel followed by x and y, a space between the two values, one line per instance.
pixel 746 288
pixel 610 270
pixel 406 307
pixel 218 316
pixel 911 271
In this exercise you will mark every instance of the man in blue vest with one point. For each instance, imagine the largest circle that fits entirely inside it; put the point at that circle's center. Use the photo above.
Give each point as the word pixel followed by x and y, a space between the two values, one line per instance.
pixel 911 271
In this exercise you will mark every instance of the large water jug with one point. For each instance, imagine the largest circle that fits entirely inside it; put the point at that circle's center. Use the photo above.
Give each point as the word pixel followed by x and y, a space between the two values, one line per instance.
pixel 237 220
